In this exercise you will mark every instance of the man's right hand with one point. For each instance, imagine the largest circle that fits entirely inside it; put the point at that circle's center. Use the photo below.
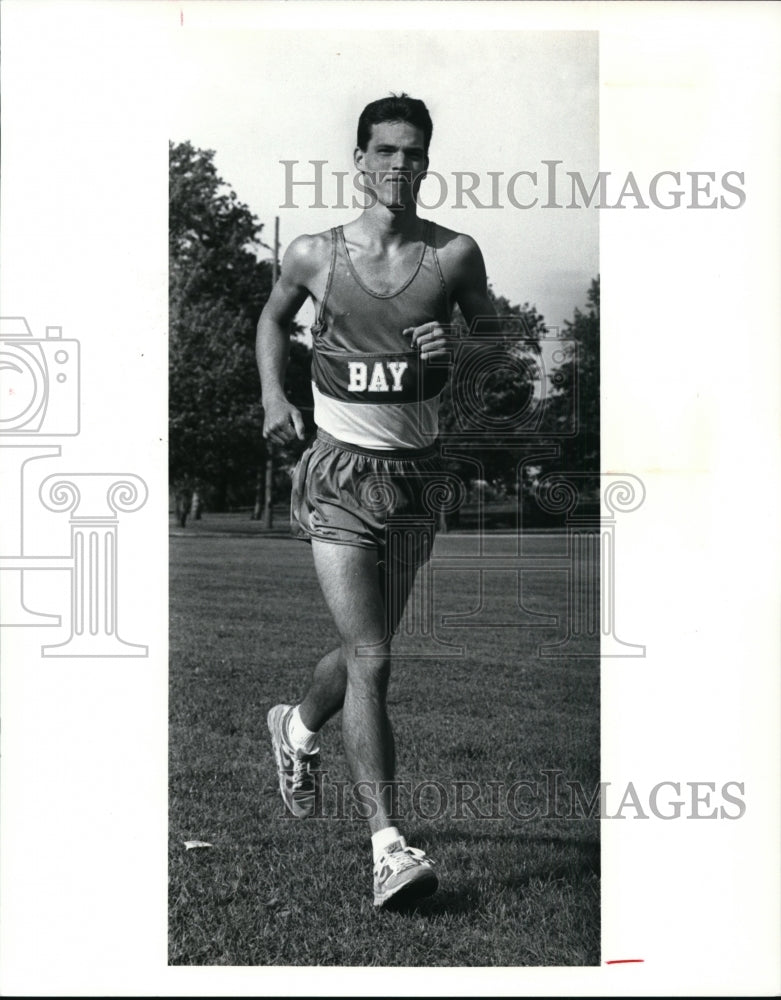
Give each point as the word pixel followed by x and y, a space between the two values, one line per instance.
pixel 282 422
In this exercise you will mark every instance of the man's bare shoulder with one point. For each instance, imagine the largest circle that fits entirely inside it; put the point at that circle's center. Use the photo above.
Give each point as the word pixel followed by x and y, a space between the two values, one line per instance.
pixel 306 255
pixel 457 251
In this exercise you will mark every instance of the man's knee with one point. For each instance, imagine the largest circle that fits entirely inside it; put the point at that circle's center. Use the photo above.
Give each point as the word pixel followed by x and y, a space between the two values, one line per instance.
pixel 368 663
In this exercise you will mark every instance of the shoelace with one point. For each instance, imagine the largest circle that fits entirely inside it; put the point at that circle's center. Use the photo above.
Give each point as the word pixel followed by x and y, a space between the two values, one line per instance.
pixel 301 769
pixel 406 857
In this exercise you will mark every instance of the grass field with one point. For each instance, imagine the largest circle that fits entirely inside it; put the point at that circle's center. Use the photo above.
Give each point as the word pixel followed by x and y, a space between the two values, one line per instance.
pixel 247 624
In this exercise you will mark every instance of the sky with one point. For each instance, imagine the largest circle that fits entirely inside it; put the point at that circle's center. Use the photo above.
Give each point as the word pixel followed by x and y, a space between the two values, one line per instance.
pixel 501 102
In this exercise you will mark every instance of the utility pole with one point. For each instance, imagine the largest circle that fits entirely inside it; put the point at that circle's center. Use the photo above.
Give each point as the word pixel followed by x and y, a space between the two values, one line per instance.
pixel 268 510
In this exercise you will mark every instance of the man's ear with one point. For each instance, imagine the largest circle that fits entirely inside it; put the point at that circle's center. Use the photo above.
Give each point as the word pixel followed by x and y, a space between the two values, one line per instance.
pixel 359 157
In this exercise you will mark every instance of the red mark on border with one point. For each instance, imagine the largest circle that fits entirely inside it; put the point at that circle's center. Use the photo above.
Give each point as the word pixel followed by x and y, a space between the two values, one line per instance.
pixel 623 961
pixel 181 18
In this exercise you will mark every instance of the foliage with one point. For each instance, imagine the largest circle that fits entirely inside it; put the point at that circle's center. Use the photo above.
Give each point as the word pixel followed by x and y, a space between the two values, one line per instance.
pixel 217 289
pixel 580 380
pixel 522 404
pixel 491 383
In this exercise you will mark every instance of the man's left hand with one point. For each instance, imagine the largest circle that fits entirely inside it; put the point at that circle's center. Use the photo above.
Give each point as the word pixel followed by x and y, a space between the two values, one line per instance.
pixel 430 339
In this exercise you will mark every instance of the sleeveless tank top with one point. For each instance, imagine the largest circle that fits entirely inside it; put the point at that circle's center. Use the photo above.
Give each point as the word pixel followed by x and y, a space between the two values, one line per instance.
pixel 370 387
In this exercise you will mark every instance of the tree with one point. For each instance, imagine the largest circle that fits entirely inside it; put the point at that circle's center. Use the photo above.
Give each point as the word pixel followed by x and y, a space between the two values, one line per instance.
pixel 571 416
pixel 217 289
pixel 520 391
pixel 492 387
pixel 577 393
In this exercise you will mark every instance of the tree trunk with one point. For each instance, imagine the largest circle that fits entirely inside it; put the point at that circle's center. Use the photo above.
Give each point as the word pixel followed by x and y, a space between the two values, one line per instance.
pixel 221 495
pixel 257 511
pixel 268 510
pixel 182 507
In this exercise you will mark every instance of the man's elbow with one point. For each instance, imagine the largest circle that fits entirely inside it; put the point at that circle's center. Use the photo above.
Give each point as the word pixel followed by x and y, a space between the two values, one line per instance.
pixel 484 323
pixel 271 330
pixel 267 321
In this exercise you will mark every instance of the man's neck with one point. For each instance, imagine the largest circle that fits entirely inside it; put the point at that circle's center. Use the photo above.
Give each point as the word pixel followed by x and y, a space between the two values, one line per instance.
pixel 388 227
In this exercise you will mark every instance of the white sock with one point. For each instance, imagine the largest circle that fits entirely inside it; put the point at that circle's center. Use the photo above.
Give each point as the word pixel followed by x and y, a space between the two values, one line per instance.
pixel 382 838
pixel 298 735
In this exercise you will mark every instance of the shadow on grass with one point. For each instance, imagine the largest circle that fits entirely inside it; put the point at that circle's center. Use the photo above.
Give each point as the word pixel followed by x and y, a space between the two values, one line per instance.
pixel 445 901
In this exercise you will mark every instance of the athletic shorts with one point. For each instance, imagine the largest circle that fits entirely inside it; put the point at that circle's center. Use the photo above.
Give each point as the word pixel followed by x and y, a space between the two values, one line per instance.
pixel 383 500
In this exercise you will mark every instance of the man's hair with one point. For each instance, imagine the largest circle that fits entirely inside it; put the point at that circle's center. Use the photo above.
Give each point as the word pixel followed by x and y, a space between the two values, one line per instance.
pixel 396 108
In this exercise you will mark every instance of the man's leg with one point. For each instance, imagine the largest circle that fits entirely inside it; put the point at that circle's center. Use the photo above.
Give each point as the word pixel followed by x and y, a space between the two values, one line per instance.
pixel 325 695
pixel 350 582
pixel 354 589
pixel 294 729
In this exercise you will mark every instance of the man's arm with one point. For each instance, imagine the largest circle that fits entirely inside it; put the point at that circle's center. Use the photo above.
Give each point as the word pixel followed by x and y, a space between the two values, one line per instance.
pixel 470 287
pixel 282 421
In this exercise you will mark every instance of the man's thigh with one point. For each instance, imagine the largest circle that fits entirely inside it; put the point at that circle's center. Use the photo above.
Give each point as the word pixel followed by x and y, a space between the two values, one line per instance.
pixel 365 595
pixel 350 583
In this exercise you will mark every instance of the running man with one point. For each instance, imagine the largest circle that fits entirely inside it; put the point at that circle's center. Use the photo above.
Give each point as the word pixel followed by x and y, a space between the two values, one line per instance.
pixel 383 287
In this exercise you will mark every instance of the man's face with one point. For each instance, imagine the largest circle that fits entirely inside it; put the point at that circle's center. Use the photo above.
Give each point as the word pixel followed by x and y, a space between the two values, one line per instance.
pixel 394 163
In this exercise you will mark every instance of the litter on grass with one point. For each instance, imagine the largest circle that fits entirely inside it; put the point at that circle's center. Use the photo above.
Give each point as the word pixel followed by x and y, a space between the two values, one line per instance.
pixel 190 844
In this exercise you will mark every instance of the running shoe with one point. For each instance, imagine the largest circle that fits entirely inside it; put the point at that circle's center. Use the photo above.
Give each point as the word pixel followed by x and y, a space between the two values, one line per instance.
pixel 294 767
pixel 402 875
